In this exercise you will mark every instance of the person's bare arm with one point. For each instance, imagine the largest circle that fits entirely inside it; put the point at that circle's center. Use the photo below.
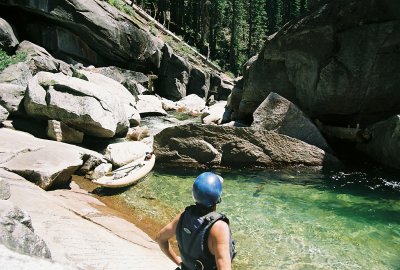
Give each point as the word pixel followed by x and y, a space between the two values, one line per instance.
pixel 219 244
pixel 163 237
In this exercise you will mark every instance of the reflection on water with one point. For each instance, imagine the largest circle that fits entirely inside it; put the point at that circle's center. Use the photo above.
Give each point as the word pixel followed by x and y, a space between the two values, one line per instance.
pixel 292 221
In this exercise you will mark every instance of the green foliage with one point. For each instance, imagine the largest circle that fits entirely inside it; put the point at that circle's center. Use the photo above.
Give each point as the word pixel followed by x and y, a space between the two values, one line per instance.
pixel 7 60
pixel 122 6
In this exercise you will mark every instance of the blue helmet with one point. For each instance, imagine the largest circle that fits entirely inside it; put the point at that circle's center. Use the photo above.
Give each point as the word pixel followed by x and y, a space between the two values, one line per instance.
pixel 207 189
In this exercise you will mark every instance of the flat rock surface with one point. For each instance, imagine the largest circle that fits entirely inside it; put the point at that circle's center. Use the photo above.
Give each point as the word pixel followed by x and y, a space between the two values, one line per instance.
pixel 78 233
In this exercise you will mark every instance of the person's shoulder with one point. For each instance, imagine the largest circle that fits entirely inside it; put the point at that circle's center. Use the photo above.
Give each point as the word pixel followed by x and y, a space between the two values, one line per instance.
pixel 219 227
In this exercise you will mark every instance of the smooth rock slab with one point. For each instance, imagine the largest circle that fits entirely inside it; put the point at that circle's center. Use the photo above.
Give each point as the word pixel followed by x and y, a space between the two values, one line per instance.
pixel 46 163
pixel 4 190
pixel 78 234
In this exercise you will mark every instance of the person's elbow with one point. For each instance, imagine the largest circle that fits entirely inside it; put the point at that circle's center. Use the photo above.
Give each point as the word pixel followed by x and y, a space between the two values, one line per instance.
pixel 158 239
pixel 161 241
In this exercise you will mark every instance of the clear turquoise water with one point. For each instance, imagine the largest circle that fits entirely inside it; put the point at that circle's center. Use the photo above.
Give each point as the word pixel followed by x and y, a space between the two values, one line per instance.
pixel 292 220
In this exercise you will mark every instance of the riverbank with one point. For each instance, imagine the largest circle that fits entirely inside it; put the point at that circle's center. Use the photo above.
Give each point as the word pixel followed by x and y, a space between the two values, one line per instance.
pixel 83 232
pixel 115 205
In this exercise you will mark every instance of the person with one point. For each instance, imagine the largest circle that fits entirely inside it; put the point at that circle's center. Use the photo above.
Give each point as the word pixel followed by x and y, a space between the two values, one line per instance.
pixel 203 235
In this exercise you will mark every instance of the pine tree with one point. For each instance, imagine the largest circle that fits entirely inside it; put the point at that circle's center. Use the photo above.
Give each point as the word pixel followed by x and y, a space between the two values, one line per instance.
pixel 257 19
pixel 229 31
pixel 303 6
pixel 238 36
pixel 271 8
pixel 290 10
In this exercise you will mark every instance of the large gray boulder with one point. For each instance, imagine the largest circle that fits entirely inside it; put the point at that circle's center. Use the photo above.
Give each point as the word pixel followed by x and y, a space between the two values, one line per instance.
pixel 87 106
pixel 60 132
pixel 91 31
pixel 11 96
pixel 121 153
pixel 232 146
pixel 192 103
pixel 48 164
pixel 118 91
pixel 339 64
pixel 39 59
pixel 135 82
pixel 282 116
pixel 384 146
pixel 215 114
pixel 173 75
pixel 8 40
pixel 3 114
pixel 199 83
pixel 17 233
pixel 220 86
pixel 148 105
pixel 18 74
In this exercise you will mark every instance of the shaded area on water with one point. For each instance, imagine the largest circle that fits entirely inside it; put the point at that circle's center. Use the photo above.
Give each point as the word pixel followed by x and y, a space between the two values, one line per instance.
pixel 289 220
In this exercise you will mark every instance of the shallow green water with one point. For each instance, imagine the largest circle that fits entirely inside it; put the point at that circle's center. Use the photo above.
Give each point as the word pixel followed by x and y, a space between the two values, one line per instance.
pixel 292 220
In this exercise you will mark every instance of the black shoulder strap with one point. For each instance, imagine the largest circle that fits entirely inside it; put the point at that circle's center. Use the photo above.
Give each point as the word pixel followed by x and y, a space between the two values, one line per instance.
pixel 214 217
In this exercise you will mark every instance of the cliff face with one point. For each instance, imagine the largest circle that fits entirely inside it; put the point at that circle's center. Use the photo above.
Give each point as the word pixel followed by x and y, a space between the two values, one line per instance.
pixel 339 64
pixel 95 33
pixel 90 31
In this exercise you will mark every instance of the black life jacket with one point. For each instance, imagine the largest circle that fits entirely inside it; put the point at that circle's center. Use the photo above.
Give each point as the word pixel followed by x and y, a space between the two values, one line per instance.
pixel 192 235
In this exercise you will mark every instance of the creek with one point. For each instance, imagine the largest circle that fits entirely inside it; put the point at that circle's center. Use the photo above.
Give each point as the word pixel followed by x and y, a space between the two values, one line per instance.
pixel 291 220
